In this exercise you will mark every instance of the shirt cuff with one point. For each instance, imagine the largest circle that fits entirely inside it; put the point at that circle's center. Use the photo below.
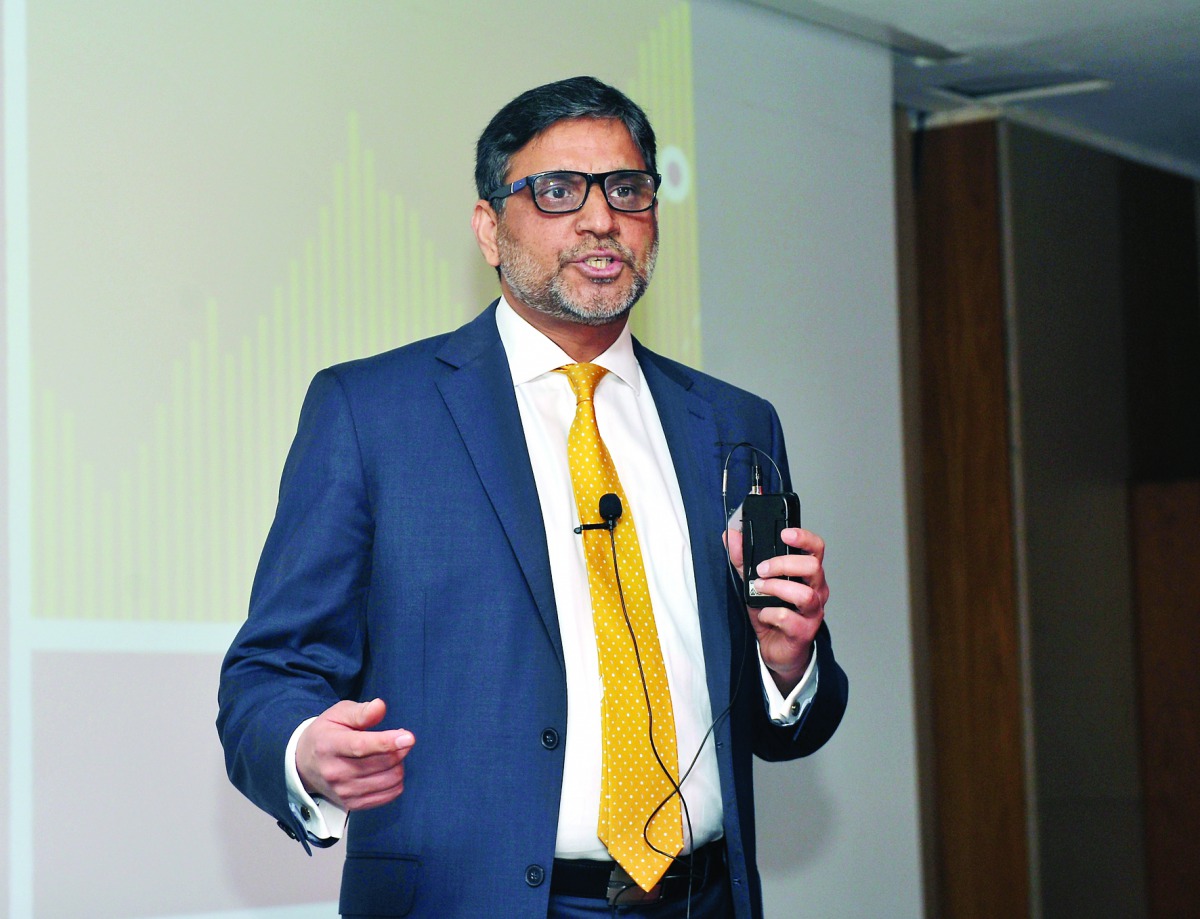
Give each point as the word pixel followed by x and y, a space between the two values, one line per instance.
pixel 790 710
pixel 323 821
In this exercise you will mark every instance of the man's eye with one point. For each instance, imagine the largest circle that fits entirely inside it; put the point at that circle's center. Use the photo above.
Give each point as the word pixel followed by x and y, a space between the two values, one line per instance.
pixel 557 190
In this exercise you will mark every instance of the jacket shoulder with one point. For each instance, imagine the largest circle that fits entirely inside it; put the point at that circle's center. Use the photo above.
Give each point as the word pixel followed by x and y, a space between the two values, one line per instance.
pixel 420 360
pixel 717 391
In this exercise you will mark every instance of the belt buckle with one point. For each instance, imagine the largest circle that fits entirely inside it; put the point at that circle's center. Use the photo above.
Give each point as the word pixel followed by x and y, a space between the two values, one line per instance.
pixel 623 890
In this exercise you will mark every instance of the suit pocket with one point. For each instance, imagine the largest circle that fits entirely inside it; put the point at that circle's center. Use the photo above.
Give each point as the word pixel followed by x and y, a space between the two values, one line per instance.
pixel 378 885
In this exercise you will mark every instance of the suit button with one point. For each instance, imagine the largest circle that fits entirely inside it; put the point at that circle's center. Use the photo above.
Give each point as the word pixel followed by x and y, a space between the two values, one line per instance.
pixel 550 739
pixel 534 875
pixel 287 829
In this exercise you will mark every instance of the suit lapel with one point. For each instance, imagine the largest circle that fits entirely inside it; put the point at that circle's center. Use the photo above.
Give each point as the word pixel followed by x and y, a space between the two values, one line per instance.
pixel 690 427
pixel 476 385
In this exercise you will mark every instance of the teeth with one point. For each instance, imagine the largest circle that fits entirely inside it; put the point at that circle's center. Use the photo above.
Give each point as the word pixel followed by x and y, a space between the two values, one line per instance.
pixel 599 262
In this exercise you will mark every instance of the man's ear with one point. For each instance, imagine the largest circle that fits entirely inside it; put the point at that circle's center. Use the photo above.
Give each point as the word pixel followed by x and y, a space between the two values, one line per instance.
pixel 484 221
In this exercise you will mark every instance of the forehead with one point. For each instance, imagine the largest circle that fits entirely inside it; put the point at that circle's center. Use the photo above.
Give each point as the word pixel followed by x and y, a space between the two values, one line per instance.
pixel 581 144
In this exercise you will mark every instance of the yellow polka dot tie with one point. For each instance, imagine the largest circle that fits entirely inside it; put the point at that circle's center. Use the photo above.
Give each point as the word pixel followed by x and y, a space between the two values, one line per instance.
pixel 633 782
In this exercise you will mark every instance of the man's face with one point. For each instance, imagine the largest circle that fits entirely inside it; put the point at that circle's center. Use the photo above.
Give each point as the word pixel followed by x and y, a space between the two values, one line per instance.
pixel 589 266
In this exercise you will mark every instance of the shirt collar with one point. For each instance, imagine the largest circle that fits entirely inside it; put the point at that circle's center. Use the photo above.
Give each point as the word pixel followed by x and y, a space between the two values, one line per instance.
pixel 531 354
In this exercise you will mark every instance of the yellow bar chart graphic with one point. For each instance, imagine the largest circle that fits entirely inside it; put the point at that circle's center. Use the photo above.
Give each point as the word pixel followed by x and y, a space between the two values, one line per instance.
pixel 173 535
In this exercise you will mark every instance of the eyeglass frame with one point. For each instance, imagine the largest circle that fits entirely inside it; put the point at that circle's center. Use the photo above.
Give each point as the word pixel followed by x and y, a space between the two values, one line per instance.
pixel 592 178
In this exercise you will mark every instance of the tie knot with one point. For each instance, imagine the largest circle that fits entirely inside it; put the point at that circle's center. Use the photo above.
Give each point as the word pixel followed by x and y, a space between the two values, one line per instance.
pixel 584 378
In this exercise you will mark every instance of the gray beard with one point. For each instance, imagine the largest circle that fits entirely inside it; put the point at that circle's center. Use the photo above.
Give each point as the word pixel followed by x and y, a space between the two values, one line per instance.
pixel 549 295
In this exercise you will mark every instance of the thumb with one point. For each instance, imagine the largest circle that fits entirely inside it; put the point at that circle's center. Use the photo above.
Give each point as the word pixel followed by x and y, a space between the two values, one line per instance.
pixel 733 545
pixel 360 715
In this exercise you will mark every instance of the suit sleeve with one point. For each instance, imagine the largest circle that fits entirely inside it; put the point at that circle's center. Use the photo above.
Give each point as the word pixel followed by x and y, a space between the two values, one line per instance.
pixel 301 648
pixel 782 742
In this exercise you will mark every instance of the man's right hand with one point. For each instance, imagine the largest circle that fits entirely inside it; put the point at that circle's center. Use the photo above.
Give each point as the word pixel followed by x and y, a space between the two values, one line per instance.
pixel 341 759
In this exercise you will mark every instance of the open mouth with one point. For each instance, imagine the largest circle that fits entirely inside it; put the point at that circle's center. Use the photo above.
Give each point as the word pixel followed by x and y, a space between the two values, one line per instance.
pixel 600 266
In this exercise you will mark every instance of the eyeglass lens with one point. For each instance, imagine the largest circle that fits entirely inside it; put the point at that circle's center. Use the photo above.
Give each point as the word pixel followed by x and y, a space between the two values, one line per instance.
pixel 558 192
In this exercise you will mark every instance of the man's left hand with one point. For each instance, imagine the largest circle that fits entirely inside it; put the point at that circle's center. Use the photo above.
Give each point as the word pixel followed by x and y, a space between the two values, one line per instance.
pixel 785 636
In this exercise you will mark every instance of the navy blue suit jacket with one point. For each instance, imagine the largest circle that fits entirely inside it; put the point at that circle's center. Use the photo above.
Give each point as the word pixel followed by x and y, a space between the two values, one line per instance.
pixel 408 561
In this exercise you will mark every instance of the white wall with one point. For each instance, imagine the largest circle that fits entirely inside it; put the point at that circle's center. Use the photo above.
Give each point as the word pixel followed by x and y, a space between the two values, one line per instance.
pixel 799 303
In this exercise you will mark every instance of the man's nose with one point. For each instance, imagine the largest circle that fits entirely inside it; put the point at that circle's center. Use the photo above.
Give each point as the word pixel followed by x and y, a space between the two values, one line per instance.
pixel 596 216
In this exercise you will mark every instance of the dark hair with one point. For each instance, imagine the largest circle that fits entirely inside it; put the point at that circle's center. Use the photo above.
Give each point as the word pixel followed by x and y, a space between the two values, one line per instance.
pixel 537 109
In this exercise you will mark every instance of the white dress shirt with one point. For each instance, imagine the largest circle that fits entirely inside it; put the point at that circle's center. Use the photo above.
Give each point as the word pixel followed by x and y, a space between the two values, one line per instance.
pixel 631 429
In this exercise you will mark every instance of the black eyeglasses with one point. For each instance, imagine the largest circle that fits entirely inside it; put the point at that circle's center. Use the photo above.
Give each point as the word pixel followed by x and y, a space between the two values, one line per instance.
pixel 561 192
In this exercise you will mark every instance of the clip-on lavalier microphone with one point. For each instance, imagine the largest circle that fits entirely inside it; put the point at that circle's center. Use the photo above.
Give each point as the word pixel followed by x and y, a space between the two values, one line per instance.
pixel 610 510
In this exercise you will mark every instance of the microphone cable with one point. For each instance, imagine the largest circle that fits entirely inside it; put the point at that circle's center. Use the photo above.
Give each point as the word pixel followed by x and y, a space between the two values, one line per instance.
pixel 611 518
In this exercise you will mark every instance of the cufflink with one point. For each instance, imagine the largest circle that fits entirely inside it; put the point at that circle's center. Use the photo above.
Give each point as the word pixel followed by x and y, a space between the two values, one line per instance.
pixel 287 829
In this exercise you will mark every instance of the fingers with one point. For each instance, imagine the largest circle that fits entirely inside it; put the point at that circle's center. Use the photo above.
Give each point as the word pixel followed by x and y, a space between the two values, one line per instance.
pixel 806 564
pixel 376 799
pixel 359 741
pixel 811 546
pixel 785 641
pixel 340 758
pixel 733 544
pixel 357 784
pixel 366 744
pixel 807 600
pixel 782 619
pixel 791 629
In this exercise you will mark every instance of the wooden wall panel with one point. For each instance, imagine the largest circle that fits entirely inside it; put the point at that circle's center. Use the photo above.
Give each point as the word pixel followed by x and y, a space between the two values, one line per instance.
pixel 1166 523
pixel 975 679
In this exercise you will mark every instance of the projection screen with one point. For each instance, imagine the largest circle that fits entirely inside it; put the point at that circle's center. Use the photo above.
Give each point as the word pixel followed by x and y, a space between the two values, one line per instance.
pixel 207 202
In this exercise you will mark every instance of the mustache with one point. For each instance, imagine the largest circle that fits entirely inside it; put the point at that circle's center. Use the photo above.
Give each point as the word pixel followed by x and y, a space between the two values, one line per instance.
pixel 608 243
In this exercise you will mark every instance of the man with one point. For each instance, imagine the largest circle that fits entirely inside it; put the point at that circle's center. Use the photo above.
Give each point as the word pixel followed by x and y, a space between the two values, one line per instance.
pixel 529 668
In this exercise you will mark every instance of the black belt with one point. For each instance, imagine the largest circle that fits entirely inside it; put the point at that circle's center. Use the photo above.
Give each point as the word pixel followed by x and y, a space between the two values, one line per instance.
pixel 583 877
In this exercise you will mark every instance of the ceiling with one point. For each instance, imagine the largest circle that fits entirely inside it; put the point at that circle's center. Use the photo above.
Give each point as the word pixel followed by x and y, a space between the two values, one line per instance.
pixel 1122 76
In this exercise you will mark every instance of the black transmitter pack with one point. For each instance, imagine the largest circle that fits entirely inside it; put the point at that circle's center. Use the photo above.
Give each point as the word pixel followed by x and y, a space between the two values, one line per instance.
pixel 763 518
